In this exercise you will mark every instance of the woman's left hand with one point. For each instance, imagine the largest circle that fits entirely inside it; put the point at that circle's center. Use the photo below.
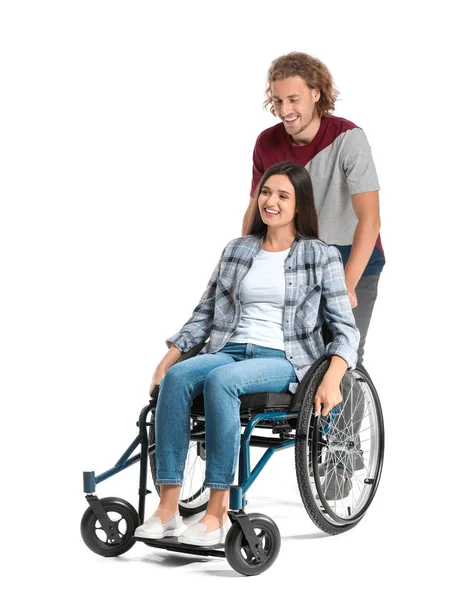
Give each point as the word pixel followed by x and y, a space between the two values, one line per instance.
pixel 328 394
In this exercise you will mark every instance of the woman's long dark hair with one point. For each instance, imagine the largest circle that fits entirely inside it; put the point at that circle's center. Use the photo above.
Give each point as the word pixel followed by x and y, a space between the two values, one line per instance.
pixel 305 220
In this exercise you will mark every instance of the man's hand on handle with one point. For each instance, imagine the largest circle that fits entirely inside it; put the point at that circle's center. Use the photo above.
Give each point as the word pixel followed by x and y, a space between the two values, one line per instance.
pixel 352 295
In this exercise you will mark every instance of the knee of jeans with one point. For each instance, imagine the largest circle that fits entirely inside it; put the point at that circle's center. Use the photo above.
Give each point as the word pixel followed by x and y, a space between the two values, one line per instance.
pixel 216 381
pixel 174 376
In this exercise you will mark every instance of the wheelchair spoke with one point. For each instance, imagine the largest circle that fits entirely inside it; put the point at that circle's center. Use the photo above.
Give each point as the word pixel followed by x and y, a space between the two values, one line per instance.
pixel 189 477
pixel 193 478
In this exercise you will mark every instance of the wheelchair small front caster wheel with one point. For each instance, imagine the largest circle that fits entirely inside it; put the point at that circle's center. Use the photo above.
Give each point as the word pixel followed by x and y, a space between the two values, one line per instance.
pixel 239 553
pixel 123 522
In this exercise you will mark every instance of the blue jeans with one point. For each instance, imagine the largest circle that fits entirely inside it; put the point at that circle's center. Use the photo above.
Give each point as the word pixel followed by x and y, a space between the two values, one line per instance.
pixel 221 378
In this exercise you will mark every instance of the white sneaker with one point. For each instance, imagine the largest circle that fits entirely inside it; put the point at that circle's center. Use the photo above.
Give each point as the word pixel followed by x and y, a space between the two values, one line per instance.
pixel 197 535
pixel 154 529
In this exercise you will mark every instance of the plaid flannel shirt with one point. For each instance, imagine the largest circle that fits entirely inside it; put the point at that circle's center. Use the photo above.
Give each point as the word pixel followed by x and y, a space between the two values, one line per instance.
pixel 315 293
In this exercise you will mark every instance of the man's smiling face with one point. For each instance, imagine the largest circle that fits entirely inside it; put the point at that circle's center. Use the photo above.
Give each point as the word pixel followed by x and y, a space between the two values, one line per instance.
pixel 295 104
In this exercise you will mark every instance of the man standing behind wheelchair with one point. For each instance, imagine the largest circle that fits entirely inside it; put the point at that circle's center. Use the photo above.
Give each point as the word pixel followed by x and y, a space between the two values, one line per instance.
pixel 300 92
pixel 263 311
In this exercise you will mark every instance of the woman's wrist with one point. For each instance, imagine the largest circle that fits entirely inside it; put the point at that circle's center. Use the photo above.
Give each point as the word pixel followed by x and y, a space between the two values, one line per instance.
pixel 170 358
pixel 336 370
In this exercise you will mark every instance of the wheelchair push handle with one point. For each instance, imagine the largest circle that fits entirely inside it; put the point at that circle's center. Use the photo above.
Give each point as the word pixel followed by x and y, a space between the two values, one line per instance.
pixel 155 392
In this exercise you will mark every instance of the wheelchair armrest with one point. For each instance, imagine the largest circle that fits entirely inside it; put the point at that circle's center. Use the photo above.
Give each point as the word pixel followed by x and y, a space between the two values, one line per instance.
pixel 192 352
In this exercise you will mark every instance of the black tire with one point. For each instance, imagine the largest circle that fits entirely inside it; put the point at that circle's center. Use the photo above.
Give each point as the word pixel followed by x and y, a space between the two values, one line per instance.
pixel 337 515
pixel 96 538
pixel 237 550
pixel 195 495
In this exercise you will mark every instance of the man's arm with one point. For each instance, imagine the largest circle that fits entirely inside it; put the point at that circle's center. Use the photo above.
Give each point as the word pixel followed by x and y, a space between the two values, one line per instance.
pixel 361 175
pixel 367 210
pixel 247 217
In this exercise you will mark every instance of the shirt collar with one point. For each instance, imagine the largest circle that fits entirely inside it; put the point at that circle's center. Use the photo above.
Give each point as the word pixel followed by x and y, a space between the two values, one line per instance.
pixel 258 242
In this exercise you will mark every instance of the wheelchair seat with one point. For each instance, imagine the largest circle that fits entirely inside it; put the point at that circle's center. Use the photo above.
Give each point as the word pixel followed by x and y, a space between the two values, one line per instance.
pixel 251 403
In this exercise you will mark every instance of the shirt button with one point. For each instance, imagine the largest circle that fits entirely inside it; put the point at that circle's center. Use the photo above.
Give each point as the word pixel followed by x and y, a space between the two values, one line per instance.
pixel 290 283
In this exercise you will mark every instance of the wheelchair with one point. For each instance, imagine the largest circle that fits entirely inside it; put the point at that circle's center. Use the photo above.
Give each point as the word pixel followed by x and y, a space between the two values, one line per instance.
pixel 347 444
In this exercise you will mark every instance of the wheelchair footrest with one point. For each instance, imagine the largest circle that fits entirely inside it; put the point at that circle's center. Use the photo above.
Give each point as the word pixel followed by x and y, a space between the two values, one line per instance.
pixel 172 544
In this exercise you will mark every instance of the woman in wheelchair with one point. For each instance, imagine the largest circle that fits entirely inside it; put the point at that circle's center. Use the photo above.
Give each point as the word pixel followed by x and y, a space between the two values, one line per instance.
pixel 263 311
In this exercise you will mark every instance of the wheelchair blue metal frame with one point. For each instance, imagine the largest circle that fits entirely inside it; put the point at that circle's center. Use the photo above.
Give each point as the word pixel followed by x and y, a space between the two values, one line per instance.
pixel 90 479
pixel 246 476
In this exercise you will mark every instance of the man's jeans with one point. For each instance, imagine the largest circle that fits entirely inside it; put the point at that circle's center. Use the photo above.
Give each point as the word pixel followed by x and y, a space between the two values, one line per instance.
pixel 366 292
pixel 222 378
pixel 349 421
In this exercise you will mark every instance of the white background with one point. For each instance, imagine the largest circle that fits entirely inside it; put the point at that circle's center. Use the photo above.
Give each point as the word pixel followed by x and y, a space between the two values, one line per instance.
pixel 127 130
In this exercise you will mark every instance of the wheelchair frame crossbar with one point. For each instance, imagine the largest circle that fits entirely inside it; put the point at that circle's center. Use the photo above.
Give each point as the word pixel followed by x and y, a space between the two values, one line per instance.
pixel 246 476
pixel 90 479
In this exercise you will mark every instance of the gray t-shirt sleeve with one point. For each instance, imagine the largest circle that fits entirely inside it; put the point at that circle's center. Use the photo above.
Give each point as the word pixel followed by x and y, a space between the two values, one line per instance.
pixel 357 162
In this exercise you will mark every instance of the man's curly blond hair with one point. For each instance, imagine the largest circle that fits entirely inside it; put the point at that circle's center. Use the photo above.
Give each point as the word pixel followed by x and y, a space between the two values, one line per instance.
pixel 314 73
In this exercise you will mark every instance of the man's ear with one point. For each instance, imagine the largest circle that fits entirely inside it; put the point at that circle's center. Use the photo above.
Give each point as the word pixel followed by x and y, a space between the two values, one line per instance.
pixel 316 94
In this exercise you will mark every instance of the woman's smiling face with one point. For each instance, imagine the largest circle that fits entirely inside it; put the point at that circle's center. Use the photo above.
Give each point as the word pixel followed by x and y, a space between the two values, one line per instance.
pixel 277 201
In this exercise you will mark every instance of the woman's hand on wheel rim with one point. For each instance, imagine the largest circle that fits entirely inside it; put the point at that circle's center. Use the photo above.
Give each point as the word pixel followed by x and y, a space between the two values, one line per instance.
pixel 327 395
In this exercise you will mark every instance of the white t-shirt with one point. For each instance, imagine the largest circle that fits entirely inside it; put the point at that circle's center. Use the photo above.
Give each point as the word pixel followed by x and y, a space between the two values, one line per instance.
pixel 262 302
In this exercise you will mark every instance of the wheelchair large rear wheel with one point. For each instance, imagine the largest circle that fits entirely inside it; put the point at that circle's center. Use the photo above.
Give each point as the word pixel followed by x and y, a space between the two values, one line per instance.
pixel 339 457
pixel 194 495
